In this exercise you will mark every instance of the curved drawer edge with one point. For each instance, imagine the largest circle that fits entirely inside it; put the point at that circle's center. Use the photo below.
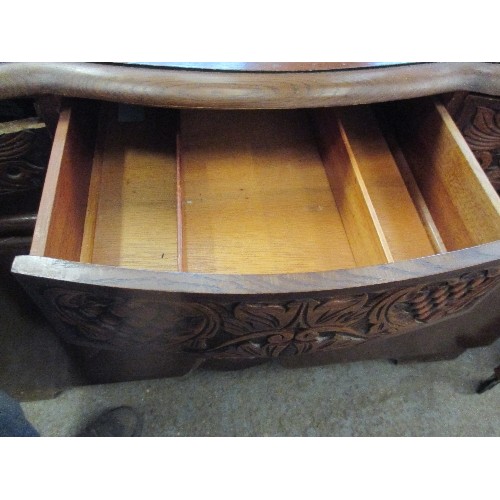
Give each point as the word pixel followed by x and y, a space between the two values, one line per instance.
pixel 417 270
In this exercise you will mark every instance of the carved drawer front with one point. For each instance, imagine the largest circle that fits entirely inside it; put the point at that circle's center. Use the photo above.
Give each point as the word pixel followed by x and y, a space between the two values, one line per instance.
pixel 248 235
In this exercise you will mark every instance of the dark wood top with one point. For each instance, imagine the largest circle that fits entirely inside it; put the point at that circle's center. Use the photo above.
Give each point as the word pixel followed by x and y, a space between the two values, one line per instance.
pixel 167 87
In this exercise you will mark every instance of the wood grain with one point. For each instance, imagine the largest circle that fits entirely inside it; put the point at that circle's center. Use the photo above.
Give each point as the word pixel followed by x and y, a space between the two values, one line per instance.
pixel 412 186
pixel 87 250
pixel 61 217
pixel 463 204
pixel 256 197
pixel 363 229
pixel 181 254
pixel 224 89
pixel 395 210
pixel 136 217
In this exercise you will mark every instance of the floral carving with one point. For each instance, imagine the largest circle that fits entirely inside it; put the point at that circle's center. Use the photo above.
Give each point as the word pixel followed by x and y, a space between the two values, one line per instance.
pixel 483 136
pixel 311 325
pixel 260 329
pixel 297 327
pixel 105 319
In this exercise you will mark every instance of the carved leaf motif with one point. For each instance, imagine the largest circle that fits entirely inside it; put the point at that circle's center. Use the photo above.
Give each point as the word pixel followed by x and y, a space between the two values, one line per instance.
pixel 259 329
pixel 270 330
pixel 122 322
pixel 340 313
pixel 388 314
pixel 260 317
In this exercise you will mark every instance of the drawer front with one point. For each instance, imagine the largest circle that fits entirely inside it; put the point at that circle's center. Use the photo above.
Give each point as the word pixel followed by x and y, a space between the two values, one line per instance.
pixel 255 326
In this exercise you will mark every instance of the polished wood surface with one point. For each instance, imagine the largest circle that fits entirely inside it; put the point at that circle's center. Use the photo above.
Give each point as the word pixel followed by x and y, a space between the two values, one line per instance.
pixel 92 207
pixel 230 90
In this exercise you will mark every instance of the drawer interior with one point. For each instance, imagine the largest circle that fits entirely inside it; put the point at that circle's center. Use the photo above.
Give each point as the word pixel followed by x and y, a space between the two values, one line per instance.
pixel 264 191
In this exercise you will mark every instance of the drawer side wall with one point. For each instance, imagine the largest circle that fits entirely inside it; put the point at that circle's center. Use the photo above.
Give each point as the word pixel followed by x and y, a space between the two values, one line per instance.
pixel 61 216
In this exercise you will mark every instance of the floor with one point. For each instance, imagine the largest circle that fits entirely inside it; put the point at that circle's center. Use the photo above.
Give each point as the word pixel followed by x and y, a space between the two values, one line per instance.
pixel 359 399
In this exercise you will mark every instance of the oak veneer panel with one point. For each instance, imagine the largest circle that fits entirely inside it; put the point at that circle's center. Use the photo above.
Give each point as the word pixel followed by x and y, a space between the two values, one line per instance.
pixel 401 224
pixel 135 214
pixel 463 204
pixel 256 196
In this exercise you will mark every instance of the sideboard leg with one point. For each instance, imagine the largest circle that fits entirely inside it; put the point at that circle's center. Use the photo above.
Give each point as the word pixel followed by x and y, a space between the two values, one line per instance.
pixel 489 383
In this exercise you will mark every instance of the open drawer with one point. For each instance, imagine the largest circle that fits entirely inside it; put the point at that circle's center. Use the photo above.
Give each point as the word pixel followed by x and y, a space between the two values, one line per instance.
pixel 263 192
pixel 215 211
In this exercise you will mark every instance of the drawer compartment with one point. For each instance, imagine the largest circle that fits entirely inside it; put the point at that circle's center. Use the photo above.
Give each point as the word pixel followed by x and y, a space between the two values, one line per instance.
pixel 264 191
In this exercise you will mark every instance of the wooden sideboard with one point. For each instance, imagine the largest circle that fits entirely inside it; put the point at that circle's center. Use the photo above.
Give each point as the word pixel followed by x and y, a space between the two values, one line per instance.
pixel 225 217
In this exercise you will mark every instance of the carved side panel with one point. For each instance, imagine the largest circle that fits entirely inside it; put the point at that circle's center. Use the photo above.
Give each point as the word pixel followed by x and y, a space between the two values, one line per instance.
pixel 479 121
pixel 24 153
pixel 253 329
